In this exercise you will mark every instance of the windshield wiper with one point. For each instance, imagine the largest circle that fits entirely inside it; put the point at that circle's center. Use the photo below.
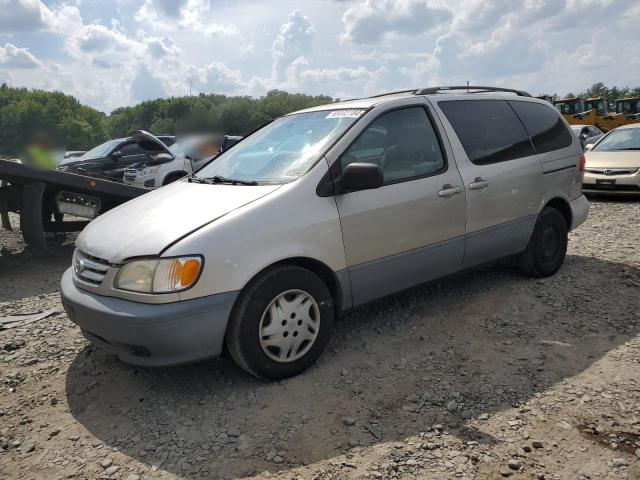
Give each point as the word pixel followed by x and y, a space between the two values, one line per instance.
pixel 220 179
pixel 231 181
pixel 630 148
pixel 192 178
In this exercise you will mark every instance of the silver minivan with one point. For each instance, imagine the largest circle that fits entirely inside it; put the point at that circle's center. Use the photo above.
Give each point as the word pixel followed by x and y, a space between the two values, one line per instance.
pixel 321 211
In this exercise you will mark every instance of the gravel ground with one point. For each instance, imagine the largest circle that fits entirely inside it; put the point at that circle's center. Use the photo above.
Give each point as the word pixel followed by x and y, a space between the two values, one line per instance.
pixel 486 375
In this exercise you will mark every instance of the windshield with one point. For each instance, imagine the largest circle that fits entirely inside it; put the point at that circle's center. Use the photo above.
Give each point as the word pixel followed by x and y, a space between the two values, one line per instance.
pixel 101 150
pixel 176 149
pixel 624 139
pixel 283 150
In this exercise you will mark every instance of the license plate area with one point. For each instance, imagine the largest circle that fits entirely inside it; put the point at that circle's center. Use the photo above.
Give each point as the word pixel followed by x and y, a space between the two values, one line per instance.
pixel 606 184
pixel 83 206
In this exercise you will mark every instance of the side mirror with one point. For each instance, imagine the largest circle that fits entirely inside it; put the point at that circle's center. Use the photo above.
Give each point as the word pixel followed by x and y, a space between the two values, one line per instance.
pixel 361 176
pixel 588 147
pixel 117 155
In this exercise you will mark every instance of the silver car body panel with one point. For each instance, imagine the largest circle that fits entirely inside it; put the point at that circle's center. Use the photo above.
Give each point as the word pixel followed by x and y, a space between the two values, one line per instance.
pixel 500 216
pixel 148 224
pixel 375 241
pixel 288 223
pixel 389 229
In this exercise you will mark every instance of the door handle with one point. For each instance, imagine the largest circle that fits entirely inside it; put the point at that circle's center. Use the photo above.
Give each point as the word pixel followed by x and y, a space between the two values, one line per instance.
pixel 478 184
pixel 449 190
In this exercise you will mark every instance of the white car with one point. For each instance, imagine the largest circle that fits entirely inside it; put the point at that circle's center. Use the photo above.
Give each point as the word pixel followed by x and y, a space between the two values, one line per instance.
pixel 321 211
pixel 187 156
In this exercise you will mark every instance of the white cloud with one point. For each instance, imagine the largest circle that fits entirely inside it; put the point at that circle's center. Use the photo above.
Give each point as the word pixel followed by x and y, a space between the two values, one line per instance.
pixel 14 57
pixel 372 20
pixel 22 15
pixel 292 44
pixel 97 38
pixel 340 74
pixel 160 47
pixel 146 86
pixel 167 8
pixel 171 15
pixel 247 50
pixel 513 42
pixel 215 78
pixel 33 15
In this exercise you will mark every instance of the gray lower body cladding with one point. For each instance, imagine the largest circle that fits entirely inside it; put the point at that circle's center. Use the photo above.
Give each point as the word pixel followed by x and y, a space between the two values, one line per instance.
pixel 150 334
pixel 376 279
pixel 385 276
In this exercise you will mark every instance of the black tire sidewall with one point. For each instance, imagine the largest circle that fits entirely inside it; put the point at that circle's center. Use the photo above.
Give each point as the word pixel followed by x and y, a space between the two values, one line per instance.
pixel 253 304
pixel 553 218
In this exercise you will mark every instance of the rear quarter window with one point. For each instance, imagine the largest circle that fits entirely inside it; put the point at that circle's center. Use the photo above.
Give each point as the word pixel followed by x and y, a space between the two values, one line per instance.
pixel 489 130
pixel 544 125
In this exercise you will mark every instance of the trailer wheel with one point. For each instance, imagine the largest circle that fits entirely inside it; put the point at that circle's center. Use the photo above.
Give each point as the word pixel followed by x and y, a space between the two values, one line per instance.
pixel 5 222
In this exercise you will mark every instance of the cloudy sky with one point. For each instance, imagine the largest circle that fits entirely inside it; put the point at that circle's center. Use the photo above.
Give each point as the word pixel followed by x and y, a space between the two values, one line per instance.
pixel 110 53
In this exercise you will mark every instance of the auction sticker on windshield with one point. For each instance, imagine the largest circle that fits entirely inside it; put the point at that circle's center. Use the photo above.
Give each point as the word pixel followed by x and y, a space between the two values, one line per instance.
pixel 345 114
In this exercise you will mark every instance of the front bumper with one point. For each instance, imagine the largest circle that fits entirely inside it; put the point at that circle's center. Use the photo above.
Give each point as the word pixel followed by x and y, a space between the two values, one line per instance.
pixel 140 180
pixel 622 184
pixel 150 334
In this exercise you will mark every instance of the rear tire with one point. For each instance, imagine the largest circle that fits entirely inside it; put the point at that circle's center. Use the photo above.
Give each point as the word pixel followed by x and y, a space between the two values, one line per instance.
pixel 547 246
pixel 281 323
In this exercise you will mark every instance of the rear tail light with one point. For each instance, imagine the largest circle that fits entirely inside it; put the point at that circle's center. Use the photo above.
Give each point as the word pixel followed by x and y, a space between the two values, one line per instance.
pixel 583 160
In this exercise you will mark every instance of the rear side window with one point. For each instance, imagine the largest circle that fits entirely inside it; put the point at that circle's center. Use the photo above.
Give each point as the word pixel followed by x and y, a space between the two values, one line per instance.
pixel 545 127
pixel 489 130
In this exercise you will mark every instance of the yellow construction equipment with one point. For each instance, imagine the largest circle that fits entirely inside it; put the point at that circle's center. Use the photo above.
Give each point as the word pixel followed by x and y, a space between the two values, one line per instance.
pixel 604 119
pixel 575 111
pixel 627 111
pixel 630 107
pixel 595 111
pixel 598 104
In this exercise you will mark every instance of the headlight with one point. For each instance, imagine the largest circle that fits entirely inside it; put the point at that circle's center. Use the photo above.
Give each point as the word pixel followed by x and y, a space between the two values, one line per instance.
pixel 150 170
pixel 164 275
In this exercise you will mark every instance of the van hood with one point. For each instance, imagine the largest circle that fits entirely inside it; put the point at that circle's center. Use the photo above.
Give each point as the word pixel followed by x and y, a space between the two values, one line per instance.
pixel 148 224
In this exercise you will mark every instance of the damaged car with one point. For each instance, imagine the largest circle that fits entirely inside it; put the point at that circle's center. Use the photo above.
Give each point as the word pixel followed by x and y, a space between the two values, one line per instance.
pixel 190 153
pixel 110 159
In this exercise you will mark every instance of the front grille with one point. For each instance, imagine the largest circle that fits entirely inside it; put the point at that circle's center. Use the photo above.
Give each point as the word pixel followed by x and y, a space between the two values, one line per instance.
pixel 88 268
pixel 612 171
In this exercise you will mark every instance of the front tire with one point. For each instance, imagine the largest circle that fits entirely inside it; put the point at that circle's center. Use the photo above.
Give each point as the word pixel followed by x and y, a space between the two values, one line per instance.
pixel 547 246
pixel 281 323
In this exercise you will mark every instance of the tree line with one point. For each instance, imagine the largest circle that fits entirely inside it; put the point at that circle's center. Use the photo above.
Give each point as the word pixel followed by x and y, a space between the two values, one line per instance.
pixel 24 112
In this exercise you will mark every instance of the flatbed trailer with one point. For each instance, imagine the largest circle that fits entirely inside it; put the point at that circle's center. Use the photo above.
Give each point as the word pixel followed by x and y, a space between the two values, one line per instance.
pixel 42 198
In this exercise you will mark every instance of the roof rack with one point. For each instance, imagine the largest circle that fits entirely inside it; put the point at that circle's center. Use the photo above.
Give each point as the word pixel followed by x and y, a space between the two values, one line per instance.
pixel 397 92
pixel 475 88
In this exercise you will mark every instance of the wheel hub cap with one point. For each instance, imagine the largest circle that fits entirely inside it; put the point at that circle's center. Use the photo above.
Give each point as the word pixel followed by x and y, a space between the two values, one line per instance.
pixel 289 326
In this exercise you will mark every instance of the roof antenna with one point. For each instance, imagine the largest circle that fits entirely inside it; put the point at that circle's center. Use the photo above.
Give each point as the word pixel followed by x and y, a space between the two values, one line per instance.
pixel 467 86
